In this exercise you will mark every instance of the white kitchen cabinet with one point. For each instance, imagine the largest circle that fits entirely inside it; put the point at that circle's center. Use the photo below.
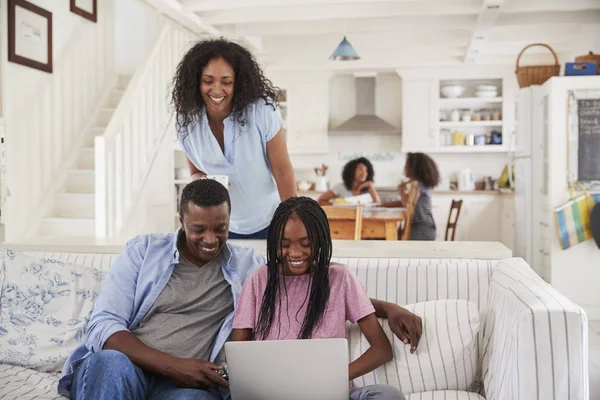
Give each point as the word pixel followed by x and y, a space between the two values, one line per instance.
pixel 479 218
pixel 507 221
pixel 308 114
pixel 420 114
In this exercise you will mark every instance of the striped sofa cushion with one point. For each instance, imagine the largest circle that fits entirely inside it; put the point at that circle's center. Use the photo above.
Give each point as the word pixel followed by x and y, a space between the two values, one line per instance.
pixel 445 395
pixel 18 383
pixel 447 356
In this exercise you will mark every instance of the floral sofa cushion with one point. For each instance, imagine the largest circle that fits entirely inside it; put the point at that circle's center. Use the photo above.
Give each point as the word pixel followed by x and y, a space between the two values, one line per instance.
pixel 45 304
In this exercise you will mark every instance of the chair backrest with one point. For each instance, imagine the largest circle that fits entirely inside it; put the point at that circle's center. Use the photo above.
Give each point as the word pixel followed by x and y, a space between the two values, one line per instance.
pixel 345 223
pixel 453 218
pixel 413 198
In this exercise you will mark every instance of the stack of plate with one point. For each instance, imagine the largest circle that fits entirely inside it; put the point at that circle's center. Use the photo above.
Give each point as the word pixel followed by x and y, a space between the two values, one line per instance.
pixel 486 91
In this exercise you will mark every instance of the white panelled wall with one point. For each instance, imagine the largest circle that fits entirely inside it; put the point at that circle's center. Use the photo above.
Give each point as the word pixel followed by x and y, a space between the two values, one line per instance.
pixel 46 114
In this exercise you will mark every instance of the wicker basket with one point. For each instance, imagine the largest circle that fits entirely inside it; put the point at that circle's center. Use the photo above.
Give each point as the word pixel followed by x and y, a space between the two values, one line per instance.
pixel 536 74
pixel 591 57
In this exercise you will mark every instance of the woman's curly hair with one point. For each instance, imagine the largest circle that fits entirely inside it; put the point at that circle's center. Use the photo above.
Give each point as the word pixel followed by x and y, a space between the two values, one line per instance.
pixel 350 169
pixel 422 168
pixel 250 82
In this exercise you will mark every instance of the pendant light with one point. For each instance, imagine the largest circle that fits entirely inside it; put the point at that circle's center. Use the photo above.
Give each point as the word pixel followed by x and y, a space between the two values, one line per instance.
pixel 344 51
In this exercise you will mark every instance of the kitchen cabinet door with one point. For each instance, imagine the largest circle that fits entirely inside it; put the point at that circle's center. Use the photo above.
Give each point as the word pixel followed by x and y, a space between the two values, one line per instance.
pixel 420 115
pixel 507 222
pixel 440 207
pixel 308 117
pixel 480 216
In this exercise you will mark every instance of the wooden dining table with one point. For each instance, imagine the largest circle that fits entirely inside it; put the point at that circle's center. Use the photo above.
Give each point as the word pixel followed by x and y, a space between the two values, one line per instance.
pixel 377 223
pixel 380 223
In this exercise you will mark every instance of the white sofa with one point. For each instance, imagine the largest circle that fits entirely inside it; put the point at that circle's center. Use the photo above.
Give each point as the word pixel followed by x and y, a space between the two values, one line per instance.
pixel 532 341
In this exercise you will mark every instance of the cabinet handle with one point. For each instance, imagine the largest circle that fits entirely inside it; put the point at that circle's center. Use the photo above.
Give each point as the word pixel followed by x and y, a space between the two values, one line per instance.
pixel 544 224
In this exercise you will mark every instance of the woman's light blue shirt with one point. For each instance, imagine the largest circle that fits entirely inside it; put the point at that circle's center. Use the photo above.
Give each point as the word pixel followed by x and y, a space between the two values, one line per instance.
pixel 253 191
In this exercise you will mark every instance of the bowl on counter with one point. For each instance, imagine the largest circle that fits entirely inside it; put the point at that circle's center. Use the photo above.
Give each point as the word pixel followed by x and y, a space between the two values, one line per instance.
pixel 452 91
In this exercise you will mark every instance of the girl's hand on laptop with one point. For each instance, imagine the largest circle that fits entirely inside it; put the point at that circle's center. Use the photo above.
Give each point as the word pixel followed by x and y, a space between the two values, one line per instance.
pixel 193 373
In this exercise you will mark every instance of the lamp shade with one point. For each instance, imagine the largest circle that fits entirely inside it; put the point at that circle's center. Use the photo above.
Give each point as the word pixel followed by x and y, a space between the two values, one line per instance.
pixel 344 52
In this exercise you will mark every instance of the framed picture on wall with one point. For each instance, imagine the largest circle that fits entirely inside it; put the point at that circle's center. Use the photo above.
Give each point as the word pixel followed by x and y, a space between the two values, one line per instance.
pixel 29 35
pixel 86 8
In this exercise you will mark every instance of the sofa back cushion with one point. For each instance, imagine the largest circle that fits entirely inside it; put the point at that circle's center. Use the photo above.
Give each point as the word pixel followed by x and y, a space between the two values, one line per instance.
pixel 409 281
pixel 45 304
pixel 447 356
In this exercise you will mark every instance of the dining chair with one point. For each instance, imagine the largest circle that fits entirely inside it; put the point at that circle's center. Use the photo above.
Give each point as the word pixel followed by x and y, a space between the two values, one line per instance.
pixel 453 219
pixel 345 223
pixel 413 198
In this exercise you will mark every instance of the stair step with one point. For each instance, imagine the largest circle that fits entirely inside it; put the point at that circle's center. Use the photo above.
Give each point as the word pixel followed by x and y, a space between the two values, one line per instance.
pixel 123 81
pixel 74 205
pixel 81 181
pixel 104 117
pixel 91 135
pixel 115 97
pixel 67 227
pixel 85 159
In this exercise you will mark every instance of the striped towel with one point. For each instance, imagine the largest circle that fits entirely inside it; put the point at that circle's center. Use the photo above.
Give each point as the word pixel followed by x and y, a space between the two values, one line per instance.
pixel 573 220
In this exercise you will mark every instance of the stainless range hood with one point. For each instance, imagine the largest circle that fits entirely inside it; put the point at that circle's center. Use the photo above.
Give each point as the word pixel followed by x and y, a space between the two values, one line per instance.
pixel 365 120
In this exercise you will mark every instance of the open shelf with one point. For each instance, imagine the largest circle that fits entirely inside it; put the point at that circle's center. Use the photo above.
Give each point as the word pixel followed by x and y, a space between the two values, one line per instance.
pixel 490 148
pixel 468 101
pixel 469 124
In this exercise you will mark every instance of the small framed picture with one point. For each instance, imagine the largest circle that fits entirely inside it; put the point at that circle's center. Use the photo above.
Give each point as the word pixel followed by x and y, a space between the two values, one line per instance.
pixel 88 9
pixel 29 35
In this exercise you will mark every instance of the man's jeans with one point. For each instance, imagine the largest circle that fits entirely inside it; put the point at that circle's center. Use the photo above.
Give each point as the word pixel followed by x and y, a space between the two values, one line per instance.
pixel 109 374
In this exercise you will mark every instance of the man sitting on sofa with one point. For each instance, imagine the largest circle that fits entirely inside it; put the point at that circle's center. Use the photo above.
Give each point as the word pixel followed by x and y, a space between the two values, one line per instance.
pixel 166 307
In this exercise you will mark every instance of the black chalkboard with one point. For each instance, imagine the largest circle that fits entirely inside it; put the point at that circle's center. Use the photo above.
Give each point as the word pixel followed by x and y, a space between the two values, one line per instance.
pixel 589 139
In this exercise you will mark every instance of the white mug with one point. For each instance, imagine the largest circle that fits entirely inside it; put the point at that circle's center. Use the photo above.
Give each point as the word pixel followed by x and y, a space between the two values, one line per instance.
pixel 222 179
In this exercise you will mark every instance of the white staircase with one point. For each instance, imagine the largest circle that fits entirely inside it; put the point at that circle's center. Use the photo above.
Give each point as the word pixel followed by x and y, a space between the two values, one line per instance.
pixel 73 211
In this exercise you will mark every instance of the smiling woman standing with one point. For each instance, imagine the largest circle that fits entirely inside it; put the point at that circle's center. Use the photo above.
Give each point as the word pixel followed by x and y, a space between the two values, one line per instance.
pixel 228 124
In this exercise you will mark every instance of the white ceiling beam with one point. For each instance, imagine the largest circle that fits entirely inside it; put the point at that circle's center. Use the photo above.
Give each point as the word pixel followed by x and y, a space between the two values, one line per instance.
pixel 409 26
pixel 174 9
pixel 371 40
pixel 489 13
pixel 550 5
pixel 214 5
pixel 550 18
pixel 342 12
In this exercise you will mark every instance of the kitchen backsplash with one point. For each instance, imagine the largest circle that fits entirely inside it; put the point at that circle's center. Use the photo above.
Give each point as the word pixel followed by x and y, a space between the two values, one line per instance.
pixel 389 164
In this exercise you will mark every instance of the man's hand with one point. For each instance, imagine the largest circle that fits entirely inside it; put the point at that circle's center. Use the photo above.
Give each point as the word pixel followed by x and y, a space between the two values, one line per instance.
pixel 406 325
pixel 198 374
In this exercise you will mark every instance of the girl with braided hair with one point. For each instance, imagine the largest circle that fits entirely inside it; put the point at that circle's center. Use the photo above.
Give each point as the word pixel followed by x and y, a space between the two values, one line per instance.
pixel 301 294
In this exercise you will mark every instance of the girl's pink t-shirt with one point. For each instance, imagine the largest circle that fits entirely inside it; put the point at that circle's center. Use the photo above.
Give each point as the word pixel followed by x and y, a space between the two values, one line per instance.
pixel 348 301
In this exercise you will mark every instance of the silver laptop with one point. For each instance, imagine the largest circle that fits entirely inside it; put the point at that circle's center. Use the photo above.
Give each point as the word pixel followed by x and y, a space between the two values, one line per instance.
pixel 288 369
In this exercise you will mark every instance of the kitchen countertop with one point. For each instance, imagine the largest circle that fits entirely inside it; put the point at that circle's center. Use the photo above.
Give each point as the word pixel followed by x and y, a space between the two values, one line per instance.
pixel 341 248
pixel 382 189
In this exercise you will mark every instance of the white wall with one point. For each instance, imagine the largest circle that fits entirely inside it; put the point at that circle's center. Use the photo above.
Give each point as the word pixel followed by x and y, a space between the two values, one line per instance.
pixel 45 112
pixel 136 27
pixel 575 272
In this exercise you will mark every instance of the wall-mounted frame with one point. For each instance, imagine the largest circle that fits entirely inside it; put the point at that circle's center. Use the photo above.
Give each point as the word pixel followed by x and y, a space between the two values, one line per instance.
pixel 87 9
pixel 583 136
pixel 29 35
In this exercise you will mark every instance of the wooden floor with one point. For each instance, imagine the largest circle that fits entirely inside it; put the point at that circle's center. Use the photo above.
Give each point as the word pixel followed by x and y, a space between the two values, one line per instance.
pixel 594 356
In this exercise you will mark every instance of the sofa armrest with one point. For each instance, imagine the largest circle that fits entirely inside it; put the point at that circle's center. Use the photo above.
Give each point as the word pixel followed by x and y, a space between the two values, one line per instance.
pixel 535 340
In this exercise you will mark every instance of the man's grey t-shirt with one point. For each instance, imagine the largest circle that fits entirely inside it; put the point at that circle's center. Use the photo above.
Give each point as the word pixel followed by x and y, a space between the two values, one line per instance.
pixel 187 316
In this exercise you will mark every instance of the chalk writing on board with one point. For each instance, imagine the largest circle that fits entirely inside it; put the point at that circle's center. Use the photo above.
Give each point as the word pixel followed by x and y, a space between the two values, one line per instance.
pixel 588 113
